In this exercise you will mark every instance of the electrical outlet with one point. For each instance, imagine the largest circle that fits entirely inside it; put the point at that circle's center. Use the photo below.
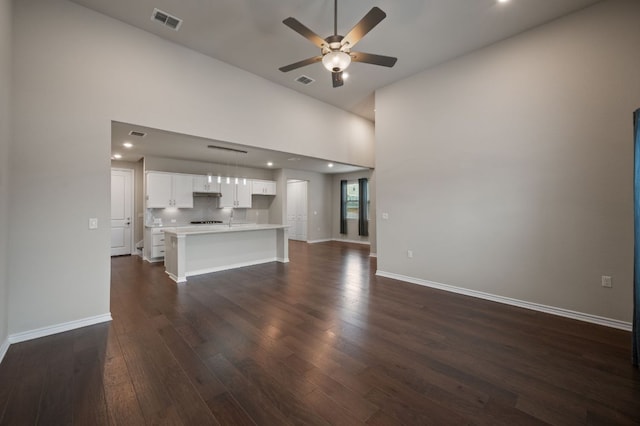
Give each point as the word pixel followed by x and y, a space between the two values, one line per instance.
pixel 385 216
pixel 606 281
pixel 410 254
pixel 93 223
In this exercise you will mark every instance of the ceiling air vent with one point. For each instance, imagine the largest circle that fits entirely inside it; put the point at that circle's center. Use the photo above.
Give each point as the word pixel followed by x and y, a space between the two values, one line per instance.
pixel 136 133
pixel 303 79
pixel 224 148
pixel 166 19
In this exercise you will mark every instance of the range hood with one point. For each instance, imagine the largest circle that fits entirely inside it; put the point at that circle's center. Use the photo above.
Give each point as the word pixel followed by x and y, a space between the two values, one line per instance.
pixel 207 194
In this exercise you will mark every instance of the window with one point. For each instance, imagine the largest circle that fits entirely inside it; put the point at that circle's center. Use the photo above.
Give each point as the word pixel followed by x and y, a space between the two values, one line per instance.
pixel 353 199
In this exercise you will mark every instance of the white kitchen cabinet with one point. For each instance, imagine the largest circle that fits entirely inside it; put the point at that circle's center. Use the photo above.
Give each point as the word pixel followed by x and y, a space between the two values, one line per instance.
pixel 169 190
pixel 202 184
pixel 154 243
pixel 263 187
pixel 235 195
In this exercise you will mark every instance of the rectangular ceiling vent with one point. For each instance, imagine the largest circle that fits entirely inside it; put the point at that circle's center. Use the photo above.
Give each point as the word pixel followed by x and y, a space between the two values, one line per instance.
pixel 166 19
pixel 224 148
pixel 136 133
pixel 303 79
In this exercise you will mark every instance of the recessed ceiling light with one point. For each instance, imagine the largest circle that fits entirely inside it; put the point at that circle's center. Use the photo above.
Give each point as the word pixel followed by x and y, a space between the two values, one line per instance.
pixel 117 156
pixel 127 145
pixel 330 165
pixel 269 164
pixel 503 1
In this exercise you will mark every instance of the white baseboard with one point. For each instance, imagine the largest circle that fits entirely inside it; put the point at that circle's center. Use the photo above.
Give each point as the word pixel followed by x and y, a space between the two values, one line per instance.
pixel 325 240
pixel 367 243
pixel 58 328
pixel 232 266
pixel 581 316
pixel 3 349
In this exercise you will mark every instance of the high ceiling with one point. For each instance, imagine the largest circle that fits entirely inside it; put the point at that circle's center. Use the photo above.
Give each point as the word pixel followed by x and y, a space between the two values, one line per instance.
pixel 250 35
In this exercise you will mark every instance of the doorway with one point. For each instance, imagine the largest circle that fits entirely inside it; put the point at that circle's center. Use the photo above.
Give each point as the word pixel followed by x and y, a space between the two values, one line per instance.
pixel 297 209
pixel 121 211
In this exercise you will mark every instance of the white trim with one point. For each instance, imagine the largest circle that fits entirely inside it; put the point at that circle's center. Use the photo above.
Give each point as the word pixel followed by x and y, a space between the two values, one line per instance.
pixel 3 349
pixel 581 316
pixel 176 278
pixel 231 266
pixel 373 254
pixel 367 243
pixel 325 240
pixel 132 187
pixel 224 268
pixel 58 328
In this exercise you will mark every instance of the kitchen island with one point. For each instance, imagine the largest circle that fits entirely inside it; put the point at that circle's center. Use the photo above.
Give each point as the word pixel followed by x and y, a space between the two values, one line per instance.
pixel 199 250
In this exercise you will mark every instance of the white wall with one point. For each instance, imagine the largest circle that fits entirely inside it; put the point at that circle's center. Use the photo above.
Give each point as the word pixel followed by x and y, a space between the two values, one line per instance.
pixel 76 72
pixel 509 170
pixel 5 135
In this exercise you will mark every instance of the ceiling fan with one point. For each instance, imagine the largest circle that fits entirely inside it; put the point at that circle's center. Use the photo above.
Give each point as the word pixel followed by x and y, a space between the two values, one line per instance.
pixel 335 50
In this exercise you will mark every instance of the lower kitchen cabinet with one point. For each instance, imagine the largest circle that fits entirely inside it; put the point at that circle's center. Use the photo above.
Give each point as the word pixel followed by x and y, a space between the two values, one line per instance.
pixel 154 244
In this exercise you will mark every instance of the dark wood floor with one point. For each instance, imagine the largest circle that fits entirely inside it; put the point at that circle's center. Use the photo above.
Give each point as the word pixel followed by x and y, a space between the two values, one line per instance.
pixel 318 341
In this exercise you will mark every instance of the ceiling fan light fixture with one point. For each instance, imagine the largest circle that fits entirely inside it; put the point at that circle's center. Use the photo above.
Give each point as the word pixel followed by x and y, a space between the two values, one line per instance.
pixel 336 61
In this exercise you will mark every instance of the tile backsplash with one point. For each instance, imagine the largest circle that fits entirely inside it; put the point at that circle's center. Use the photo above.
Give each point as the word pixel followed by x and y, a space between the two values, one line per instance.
pixel 206 208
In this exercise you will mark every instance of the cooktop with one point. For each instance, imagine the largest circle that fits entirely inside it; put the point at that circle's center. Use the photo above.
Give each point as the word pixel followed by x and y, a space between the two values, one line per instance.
pixel 203 222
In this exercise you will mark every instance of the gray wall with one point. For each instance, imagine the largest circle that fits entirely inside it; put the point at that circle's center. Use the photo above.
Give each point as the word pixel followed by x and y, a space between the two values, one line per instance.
pixel 69 85
pixel 509 170
pixel 5 135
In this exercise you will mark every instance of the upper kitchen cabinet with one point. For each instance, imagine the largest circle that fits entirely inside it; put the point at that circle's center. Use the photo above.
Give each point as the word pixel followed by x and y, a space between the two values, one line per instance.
pixel 263 187
pixel 169 190
pixel 236 195
pixel 206 184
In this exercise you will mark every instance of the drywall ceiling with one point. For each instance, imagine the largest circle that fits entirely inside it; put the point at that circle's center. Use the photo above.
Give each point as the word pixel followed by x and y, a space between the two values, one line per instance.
pixel 161 143
pixel 249 34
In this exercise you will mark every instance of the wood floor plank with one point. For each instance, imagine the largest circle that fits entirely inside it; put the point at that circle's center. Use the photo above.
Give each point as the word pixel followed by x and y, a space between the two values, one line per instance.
pixel 24 400
pixel 320 340
pixel 89 404
pixel 57 396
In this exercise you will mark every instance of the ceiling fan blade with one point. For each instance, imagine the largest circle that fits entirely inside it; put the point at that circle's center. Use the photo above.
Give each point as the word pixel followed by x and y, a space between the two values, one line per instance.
pixel 365 25
pixel 336 78
pixel 300 64
pixel 305 32
pixel 370 58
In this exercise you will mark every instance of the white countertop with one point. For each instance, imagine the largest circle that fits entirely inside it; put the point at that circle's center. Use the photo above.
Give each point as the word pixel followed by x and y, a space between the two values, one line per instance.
pixel 221 228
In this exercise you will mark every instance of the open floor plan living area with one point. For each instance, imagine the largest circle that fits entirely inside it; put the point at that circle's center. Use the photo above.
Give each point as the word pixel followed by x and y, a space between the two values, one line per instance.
pixel 273 212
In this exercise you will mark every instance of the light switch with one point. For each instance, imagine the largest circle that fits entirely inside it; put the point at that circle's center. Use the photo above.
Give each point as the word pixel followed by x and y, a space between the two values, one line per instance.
pixel 93 223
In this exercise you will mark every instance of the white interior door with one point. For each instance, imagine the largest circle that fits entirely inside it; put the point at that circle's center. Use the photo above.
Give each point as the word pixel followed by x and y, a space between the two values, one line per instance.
pixel 121 211
pixel 297 210
pixel 301 213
